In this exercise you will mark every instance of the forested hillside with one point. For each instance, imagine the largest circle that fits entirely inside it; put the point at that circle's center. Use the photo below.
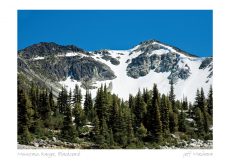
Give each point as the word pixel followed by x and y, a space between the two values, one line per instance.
pixel 147 120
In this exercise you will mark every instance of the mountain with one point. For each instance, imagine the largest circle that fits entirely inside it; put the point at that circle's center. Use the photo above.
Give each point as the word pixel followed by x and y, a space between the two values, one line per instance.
pixel 124 71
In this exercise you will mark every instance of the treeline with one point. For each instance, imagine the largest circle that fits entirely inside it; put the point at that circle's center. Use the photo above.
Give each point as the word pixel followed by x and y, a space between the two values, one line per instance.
pixel 147 119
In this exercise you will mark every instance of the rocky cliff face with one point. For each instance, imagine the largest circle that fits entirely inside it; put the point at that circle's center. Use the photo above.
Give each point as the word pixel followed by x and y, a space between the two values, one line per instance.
pixel 207 63
pixel 157 57
pixel 58 62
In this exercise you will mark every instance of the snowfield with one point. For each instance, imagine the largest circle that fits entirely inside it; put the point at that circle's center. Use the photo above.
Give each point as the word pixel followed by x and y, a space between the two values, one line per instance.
pixel 124 85
pixel 39 58
pixel 71 54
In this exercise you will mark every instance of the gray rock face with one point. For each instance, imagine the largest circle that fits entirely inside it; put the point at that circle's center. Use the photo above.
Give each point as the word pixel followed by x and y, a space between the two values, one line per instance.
pixel 48 49
pixel 206 63
pixel 52 68
pixel 179 74
pixel 141 66
pixel 106 56
pixel 87 67
pixel 112 60
pixel 59 68
pixel 166 61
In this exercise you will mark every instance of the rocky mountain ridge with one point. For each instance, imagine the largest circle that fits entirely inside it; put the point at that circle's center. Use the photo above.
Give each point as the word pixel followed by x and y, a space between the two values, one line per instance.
pixel 149 62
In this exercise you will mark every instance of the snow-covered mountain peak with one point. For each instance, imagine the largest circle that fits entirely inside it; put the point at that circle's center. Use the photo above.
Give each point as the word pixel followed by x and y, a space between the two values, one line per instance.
pixel 154 47
pixel 124 71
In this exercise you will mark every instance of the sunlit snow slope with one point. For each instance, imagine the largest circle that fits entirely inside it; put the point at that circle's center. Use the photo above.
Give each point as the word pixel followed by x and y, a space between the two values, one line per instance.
pixel 123 85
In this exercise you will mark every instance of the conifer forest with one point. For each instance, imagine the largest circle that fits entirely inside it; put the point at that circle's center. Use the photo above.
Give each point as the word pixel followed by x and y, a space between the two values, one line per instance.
pixel 147 120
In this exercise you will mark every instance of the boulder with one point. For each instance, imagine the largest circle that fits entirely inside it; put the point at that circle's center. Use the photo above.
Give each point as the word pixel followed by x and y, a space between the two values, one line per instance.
pixel 54 139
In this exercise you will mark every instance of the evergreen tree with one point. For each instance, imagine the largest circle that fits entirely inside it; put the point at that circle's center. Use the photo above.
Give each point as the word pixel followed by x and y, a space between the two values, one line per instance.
pixel 130 132
pixel 121 135
pixel 141 132
pixel 79 117
pixel 147 100
pixel 190 110
pixel 201 115
pixel 51 101
pixel 197 99
pixel 165 114
pixel 201 101
pixel 88 107
pixel 33 97
pixel 77 96
pixel 131 102
pixel 105 133
pixel 139 110
pixel 185 103
pixel 172 97
pixel 69 98
pixel 148 119
pixel 202 106
pixel 114 119
pixel 57 117
pixel 157 125
pixel 146 96
pixel 181 122
pixel 210 102
pixel 118 121
pixel 178 106
pixel 37 125
pixel 97 136
pixel 37 93
pixel 101 105
pixel 199 119
pixel 111 140
pixel 62 101
pixel 98 104
pixel 106 103
pixel 25 113
pixel 44 108
pixel 155 97
pixel 172 122
pixel 68 132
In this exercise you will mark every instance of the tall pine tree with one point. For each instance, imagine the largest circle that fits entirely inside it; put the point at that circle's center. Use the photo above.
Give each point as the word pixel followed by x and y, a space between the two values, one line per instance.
pixel 172 97
pixel 77 96
pixel 88 107
pixel 62 101
pixel 165 114
pixel 203 107
pixel 210 102
pixel 155 118
pixel 139 110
